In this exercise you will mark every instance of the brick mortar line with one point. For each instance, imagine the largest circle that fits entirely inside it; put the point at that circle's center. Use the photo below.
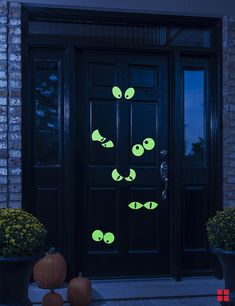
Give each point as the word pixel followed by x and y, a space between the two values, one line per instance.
pixel 8 98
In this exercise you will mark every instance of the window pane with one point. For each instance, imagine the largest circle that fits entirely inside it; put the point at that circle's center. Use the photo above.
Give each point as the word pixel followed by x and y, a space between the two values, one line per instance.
pixel 194 117
pixel 46 127
pixel 190 37
pixel 99 33
pixel 126 33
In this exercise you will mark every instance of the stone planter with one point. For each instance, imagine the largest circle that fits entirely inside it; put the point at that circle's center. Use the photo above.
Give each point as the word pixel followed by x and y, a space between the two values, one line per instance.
pixel 227 260
pixel 14 280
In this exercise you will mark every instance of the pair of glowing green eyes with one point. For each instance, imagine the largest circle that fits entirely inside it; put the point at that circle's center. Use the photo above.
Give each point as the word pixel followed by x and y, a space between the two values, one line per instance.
pixel 129 93
pixel 118 177
pixel 137 150
pixel 98 235
pixel 148 144
pixel 97 137
pixel 149 205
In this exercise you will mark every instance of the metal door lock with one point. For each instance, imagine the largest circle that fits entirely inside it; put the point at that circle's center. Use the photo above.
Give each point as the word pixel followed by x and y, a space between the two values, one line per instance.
pixel 163 152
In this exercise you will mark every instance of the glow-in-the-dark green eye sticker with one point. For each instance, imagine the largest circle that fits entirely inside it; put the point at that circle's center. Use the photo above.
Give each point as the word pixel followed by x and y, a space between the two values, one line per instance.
pixel 135 205
pixel 138 150
pixel 117 92
pixel 148 144
pixel 97 137
pixel 129 93
pixel 116 176
pixel 151 205
pixel 131 176
pixel 108 144
pixel 97 235
pixel 109 238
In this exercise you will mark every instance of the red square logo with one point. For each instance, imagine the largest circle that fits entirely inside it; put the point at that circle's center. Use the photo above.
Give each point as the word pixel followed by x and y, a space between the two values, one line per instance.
pixel 223 295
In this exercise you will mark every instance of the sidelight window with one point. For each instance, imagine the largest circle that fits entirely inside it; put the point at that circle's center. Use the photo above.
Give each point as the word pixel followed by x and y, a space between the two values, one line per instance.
pixel 46 112
pixel 194 128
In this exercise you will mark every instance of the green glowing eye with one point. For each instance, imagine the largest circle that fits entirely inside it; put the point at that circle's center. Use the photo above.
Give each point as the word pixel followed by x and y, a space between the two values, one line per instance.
pixel 129 93
pixel 131 176
pixel 151 205
pixel 108 144
pixel 97 235
pixel 97 137
pixel 117 92
pixel 138 150
pixel 109 238
pixel 135 205
pixel 116 176
pixel 148 144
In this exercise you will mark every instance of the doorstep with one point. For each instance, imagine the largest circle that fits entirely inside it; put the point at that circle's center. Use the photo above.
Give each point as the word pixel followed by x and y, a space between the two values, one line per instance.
pixel 141 289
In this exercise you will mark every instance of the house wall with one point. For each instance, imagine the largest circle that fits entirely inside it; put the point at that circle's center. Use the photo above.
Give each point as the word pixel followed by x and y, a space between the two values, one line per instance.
pixel 229 110
pixel 10 106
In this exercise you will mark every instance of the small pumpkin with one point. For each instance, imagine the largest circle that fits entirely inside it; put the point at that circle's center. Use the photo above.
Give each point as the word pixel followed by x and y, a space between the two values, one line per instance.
pixel 50 271
pixel 79 291
pixel 52 299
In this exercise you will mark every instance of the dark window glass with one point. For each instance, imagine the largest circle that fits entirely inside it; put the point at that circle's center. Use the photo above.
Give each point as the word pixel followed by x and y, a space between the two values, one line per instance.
pixel 46 105
pixel 190 37
pixel 127 34
pixel 100 33
pixel 194 131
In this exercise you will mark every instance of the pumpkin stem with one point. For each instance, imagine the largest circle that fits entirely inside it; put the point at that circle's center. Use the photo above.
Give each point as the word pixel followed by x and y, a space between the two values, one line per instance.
pixel 80 274
pixel 52 250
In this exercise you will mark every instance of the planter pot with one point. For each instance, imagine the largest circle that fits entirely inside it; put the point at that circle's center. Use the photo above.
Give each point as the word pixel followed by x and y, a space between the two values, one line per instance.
pixel 227 260
pixel 14 280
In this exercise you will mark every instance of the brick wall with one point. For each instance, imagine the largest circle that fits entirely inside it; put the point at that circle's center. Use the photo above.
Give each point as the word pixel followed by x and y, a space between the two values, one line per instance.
pixel 229 110
pixel 10 104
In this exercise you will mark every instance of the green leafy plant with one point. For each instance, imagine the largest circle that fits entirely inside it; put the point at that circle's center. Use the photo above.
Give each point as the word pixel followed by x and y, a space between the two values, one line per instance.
pixel 21 234
pixel 221 229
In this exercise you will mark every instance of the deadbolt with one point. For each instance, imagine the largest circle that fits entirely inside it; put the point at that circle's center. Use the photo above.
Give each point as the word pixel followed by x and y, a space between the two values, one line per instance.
pixel 163 152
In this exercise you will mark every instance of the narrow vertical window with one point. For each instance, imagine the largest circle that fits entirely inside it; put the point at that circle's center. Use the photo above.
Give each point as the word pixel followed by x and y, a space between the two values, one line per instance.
pixel 194 127
pixel 46 112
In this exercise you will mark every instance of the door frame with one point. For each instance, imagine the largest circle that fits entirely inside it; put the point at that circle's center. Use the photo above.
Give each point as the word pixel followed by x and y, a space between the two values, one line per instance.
pixel 174 55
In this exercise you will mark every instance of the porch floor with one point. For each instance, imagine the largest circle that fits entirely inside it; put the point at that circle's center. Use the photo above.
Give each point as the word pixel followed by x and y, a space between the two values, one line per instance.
pixel 192 291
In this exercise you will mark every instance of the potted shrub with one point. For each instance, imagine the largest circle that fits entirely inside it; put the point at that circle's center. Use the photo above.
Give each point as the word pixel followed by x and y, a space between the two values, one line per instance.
pixel 221 236
pixel 21 244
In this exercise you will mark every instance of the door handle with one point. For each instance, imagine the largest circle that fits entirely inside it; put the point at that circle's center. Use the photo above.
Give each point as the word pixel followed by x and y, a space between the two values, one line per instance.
pixel 164 192
pixel 164 177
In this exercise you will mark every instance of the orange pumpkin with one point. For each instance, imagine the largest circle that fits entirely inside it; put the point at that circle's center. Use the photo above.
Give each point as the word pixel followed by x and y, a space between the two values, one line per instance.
pixel 50 271
pixel 79 291
pixel 52 299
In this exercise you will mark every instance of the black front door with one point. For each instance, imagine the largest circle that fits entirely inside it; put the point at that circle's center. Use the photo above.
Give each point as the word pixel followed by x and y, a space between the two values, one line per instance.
pixel 122 158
